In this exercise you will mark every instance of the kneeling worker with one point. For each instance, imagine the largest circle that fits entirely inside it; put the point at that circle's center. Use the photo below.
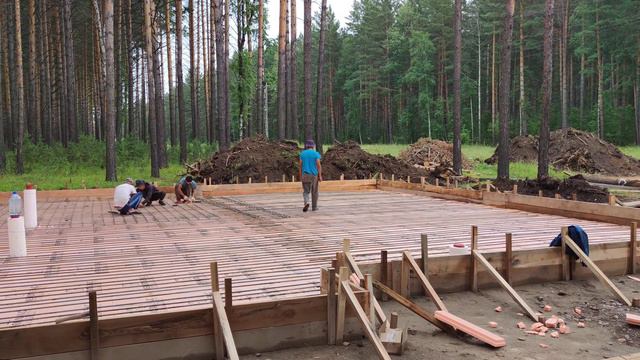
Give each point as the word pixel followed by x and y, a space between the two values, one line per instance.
pixel 150 193
pixel 185 189
pixel 310 174
pixel 122 193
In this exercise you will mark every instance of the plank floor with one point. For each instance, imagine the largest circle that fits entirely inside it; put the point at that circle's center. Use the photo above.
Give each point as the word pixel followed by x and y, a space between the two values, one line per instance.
pixel 159 261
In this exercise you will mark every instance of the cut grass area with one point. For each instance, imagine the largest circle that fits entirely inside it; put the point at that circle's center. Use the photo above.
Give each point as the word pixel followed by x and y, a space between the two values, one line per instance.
pixel 633 151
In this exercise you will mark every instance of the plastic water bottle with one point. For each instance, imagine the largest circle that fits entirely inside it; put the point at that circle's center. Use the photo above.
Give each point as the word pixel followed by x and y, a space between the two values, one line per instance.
pixel 15 205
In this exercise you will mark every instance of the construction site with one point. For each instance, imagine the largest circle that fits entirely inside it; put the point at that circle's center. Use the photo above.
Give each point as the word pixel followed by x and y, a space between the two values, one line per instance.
pixel 397 266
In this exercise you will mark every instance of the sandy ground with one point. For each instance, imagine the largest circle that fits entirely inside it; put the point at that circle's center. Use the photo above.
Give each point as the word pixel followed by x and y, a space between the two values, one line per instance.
pixel 606 334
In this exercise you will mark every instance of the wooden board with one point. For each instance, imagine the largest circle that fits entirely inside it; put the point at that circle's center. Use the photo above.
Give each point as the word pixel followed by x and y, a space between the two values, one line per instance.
pixel 471 329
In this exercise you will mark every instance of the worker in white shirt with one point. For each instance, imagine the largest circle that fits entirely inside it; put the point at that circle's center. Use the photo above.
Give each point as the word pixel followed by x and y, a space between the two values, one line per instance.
pixel 123 193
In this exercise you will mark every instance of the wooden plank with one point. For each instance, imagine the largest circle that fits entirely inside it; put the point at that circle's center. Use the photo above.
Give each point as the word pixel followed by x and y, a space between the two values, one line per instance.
pixel 412 306
pixel 426 285
pixel 356 269
pixel 225 328
pixel 342 302
pixel 424 252
pixel 218 336
pixel 633 253
pixel 384 271
pixel 371 310
pixel 471 329
pixel 366 326
pixel 228 293
pixel 331 307
pixel 404 279
pixel 352 265
pixel 566 271
pixel 474 264
pixel 596 270
pixel 514 295
pixel 508 258
pixel 94 330
pixel 283 187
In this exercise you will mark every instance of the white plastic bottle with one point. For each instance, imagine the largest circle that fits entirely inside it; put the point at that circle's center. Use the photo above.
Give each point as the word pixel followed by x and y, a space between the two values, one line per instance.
pixel 15 205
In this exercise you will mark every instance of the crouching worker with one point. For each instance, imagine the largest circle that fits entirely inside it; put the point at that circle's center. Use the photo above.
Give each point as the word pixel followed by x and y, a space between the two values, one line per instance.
pixel 310 174
pixel 122 193
pixel 150 193
pixel 185 189
pixel 131 205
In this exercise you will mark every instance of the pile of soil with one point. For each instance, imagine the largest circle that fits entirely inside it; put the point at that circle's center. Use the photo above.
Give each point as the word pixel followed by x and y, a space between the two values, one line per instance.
pixel 349 159
pixel 254 158
pixel 566 188
pixel 575 150
pixel 430 154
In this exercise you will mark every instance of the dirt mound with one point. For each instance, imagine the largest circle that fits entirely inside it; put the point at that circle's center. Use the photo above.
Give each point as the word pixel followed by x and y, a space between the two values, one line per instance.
pixel 566 188
pixel 349 159
pixel 430 154
pixel 250 158
pixel 575 150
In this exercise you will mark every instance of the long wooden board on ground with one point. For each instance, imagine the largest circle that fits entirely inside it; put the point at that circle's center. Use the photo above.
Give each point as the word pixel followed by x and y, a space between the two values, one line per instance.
pixel 471 329
pixel 514 295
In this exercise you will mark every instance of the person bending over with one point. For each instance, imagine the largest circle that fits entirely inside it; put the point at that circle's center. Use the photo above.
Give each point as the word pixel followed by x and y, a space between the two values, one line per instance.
pixel 150 193
pixel 122 193
pixel 185 189
pixel 310 174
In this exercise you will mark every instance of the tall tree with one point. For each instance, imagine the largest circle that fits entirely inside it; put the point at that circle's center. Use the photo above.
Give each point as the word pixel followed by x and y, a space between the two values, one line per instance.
pixel 457 94
pixel 636 92
pixel 293 72
pixel 172 109
pixel 261 122
pixel 70 71
pixel 19 88
pixel 158 88
pixel 600 64
pixel 151 90
pixel 218 9
pixel 33 114
pixel 524 128
pixel 505 90
pixel 182 126
pixel 320 84
pixel 547 82
pixel 110 87
pixel 282 75
pixel 308 114
pixel 193 75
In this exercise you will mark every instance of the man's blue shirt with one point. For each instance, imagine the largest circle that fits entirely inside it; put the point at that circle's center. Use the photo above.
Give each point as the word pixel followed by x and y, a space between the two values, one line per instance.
pixel 309 158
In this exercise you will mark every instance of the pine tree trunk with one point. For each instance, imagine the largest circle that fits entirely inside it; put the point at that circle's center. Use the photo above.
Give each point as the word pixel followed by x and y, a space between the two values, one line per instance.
pixel 479 130
pixel 213 107
pixel 293 71
pixel 172 108
pixel 117 44
pixel 153 135
pixel 226 93
pixel 524 127
pixel 582 81
pixel 158 90
pixel 308 114
pixel 130 79
pixel 45 85
pixel 563 66
pixel 19 89
pixel 600 77
pixel 547 83
pixel 110 87
pixel 457 95
pixel 493 86
pixel 241 37
pixel 260 121
pixel 33 113
pixel 320 85
pixel 193 75
pixel 70 71
pixel 636 94
pixel 505 91
pixel 220 54
pixel 182 126
pixel 282 75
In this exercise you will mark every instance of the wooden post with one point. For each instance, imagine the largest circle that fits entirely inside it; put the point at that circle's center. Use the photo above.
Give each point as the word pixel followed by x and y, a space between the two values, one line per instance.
pixel 237 179
pixel 448 183
pixel 558 196
pixel 424 249
pixel 284 178
pixel 574 196
pixel 228 294
pixel 566 276
pixel 218 337
pixel 455 183
pixel 250 179
pixel 346 245
pixel 266 179
pixel 612 200
pixel 341 177
pixel 293 178
pixel 474 263
pixel 94 330
pixel 540 193
pixel 422 180
pixel 384 271
pixel 342 302
pixel 408 179
pixel 508 258
pixel 370 309
pixel 393 177
pixel 488 188
pixel 515 189
pixel 437 182
pixel 405 274
pixel 633 253
pixel 331 307
pixel 393 320
pixel 340 260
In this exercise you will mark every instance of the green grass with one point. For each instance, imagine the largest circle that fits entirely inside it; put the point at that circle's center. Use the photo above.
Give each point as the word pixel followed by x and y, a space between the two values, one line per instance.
pixel 633 151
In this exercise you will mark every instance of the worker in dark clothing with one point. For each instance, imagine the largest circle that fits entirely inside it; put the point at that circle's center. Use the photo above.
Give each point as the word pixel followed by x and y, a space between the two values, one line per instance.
pixel 150 193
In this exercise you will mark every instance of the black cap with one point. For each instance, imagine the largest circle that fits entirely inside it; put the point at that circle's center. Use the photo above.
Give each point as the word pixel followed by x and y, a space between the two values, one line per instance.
pixel 189 178
pixel 139 182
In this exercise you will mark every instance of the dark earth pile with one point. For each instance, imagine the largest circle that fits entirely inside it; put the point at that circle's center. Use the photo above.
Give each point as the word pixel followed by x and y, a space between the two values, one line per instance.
pixel 566 188
pixel 575 150
pixel 349 159
pixel 254 158
pixel 430 154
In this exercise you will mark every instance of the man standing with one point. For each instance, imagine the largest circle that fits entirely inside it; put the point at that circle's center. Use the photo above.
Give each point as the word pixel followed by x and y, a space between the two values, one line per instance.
pixel 185 189
pixel 150 193
pixel 310 174
pixel 123 193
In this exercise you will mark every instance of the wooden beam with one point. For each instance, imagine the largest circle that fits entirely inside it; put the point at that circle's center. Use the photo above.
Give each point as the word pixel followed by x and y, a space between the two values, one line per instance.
pixel 228 294
pixel 474 264
pixel 218 336
pixel 471 329
pixel 342 302
pixel 331 307
pixel 514 295
pixel 633 253
pixel 426 285
pixel 566 271
pixel 94 330
pixel 384 271
pixel 356 269
pixel 371 310
pixel 508 258
pixel 224 328
pixel 412 306
pixel 424 252
pixel 596 270
pixel 366 326
pixel 405 274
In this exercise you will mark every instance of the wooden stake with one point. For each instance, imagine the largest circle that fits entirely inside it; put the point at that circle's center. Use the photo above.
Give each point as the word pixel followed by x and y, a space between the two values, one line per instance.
pixel 341 177
pixel 370 309
pixel 393 322
pixel 384 271
pixel 515 188
pixel 612 200
pixel 448 183
pixel 540 193
pixel 474 263
pixel 238 179
pixel 344 276
pixel 634 247
pixel 223 330
pixel 488 188
pixel 558 196
pixel 250 180
pixel 455 183
pixel 408 179
pixel 266 179
pixel 218 336
pixel 393 177
pixel 284 178
pixel 574 196
pixel 426 285
pixel 346 245
pixel 215 285
pixel 437 182
pixel 94 330
pixel 422 180
pixel 405 291
pixel 228 294
pixel 424 250
pixel 566 276
pixel 293 178
pixel 331 307
pixel 508 258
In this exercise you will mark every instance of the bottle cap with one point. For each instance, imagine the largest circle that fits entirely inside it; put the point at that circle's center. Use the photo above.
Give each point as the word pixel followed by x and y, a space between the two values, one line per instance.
pixel 29 186
pixel 14 193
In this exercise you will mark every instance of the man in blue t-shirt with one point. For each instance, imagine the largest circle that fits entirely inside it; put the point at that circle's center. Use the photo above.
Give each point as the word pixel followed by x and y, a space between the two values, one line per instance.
pixel 310 174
